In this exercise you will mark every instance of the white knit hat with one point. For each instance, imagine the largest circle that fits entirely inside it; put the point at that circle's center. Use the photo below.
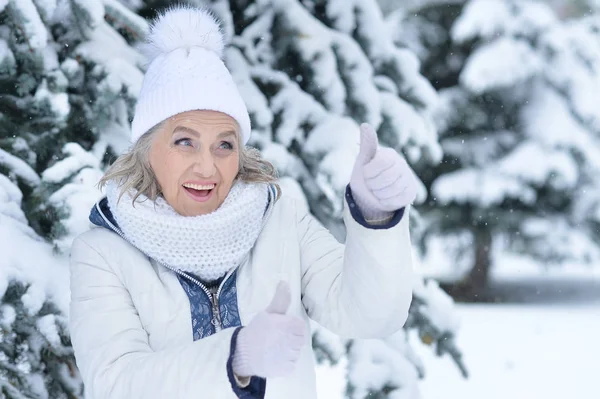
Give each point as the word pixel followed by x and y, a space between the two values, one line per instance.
pixel 186 72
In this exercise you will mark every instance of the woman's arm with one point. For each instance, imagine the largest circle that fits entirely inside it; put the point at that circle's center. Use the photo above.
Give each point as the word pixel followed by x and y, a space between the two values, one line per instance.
pixel 362 289
pixel 112 349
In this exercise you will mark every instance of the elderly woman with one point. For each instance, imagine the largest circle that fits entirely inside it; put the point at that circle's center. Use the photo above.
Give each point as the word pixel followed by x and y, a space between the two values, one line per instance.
pixel 198 279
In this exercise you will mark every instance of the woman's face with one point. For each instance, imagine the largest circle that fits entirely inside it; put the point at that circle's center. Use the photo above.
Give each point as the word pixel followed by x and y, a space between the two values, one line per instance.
pixel 195 157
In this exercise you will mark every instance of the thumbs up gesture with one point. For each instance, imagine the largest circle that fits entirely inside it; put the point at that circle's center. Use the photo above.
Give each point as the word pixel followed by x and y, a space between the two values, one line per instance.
pixel 270 345
pixel 381 182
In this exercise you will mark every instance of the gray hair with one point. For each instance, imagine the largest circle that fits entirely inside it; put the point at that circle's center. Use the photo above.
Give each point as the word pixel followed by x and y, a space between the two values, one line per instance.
pixel 132 170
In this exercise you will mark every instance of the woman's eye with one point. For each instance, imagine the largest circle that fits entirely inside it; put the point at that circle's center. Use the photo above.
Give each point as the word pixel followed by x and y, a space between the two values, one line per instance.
pixel 225 145
pixel 184 142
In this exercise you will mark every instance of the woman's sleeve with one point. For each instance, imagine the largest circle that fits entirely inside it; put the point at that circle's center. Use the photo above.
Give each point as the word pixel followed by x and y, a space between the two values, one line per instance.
pixel 362 289
pixel 112 349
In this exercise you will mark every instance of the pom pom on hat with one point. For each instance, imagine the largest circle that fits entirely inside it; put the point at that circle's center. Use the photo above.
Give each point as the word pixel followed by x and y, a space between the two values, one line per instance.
pixel 184 27
pixel 186 72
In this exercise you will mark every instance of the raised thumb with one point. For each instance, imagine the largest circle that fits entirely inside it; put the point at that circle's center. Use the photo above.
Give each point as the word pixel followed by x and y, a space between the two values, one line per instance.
pixel 281 300
pixel 368 143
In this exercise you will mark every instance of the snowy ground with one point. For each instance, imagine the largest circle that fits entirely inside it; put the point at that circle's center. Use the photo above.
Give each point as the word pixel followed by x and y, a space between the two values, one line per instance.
pixel 544 342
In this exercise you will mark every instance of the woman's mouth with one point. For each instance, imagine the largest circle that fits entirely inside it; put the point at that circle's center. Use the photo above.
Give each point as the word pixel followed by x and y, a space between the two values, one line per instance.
pixel 199 192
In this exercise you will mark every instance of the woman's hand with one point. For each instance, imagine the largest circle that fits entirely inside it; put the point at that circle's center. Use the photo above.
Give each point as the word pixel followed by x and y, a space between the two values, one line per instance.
pixel 271 344
pixel 381 182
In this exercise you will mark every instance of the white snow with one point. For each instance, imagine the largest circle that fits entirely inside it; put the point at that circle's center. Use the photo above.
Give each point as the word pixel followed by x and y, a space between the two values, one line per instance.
pixel 548 119
pixel 3 4
pixel 77 198
pixel 280 157
pixel 132 4
pixel 8 315
pixel 357 73
pixel 295 107
pixel 556 240
pixel 342 14
pixel 333 133
pixel 364 19
pixel 50 58
pixel 256 39
pixel 116 11
pixel 38 385
pixel 19 167
pixel 439 306
pixel 573 51
pixel 315 49
pixel 482 187
pixel 93 9
pixel 10 200
pixel 542 346
pixel 373 366
pixel 31 23
pixel 46 325
pixel 506 62
pixel 489 18
pixel 335 142
pixel 69 67
pixel 291 188
pixel 336 168
pixel 117 134
pixel 29 259
pixel 331 380
pixel 448 258
pixel 6 56
pixel 536 165
pixel 46 8
pixel 57 102
pixel 521 352
pixel 412 128
pixel 481 19
pixel 257 103
pixel 120 61
pixel 77 158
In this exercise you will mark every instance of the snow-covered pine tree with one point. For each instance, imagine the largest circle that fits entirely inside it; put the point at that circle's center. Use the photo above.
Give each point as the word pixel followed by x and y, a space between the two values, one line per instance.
pixel 518 132
pixel 36 360
pixel 68 79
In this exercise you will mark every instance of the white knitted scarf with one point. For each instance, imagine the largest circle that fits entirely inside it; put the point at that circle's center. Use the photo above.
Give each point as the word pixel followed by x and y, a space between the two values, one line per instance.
pixel 209 245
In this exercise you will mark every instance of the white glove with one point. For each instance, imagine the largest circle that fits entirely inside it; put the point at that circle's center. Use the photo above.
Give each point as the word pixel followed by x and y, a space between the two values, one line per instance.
pixel 271 344
pixel 381 182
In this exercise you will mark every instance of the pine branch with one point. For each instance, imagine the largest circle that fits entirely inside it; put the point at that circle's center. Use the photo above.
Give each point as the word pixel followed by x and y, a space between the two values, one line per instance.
pixel 430 333
pixel 121 17
pixel 28 22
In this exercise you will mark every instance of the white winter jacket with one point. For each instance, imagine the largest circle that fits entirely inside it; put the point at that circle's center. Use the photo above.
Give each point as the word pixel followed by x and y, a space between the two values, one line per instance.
pixel 130 318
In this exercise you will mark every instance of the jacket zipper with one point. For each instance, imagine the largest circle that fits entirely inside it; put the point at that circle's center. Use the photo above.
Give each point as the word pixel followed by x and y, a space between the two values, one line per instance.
pixel 212 296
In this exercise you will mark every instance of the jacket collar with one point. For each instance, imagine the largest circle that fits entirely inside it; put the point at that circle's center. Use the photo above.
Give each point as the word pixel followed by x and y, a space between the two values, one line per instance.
pixel 101 216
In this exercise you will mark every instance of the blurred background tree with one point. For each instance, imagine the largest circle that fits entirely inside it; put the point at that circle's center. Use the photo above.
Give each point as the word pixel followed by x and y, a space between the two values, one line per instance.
pixel 519 135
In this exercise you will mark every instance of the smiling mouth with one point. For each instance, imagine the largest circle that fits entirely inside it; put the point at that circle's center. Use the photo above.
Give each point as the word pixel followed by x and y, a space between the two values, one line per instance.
pixel 199 192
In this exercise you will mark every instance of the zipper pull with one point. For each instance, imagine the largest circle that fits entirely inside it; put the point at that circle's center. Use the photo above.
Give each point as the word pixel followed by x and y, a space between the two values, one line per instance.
pixel 216 316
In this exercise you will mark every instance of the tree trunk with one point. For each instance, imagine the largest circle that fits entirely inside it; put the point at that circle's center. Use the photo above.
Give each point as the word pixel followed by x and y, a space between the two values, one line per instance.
pixel 479 274
pixel 473 287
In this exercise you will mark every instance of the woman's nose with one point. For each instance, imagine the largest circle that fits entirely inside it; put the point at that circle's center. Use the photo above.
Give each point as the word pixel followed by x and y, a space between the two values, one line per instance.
pixel 204 165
